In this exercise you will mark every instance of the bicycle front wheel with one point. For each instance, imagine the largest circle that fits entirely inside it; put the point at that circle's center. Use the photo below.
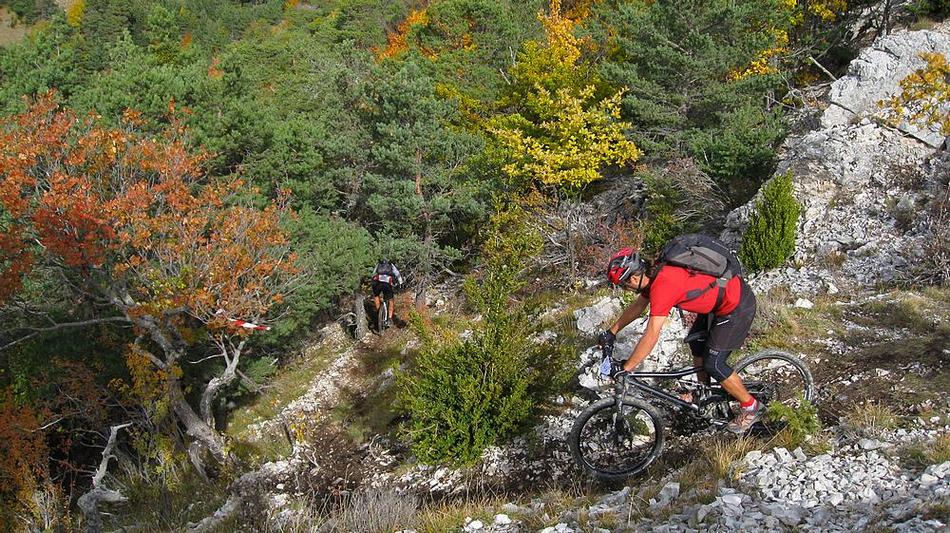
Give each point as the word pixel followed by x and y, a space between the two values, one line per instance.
pixel 612 444
pixel 776 376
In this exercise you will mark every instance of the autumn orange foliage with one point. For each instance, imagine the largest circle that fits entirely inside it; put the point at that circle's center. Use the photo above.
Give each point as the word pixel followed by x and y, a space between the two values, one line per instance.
pixel 23 451
pixel 132 220
pixel 137 211
pixel 33 432
pixel 398 41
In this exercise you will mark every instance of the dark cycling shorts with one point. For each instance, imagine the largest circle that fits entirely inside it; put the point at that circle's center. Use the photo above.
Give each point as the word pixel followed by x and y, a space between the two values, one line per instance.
pixel 386 289
pixel 727 334
pixel 729 331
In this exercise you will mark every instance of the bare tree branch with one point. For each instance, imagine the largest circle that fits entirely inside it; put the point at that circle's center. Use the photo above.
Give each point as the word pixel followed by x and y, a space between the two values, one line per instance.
pixel 63 325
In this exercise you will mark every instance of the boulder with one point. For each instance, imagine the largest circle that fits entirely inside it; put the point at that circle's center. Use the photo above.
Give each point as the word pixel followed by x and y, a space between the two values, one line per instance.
pixel 590 320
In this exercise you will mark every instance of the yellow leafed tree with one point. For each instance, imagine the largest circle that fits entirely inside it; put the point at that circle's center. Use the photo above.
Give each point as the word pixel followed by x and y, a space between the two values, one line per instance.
pixel 561 129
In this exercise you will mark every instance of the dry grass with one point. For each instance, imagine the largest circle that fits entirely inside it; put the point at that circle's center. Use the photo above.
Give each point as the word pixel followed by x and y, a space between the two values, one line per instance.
pixel 305 519
pixel 870 417
pixel 725 451
pixel 779 325
pixel 450 516
pixel 696 475
pixel 940 450
pixel 379 511
pixel 923 455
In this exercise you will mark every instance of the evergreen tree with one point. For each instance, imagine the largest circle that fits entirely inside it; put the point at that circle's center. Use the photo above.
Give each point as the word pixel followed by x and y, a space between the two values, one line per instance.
pixel 685 66
pixel 770 237
pixel 45 60
pixel 416 195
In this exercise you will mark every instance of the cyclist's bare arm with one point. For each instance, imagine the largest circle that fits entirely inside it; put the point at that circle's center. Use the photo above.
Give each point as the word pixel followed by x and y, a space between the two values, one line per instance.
pixel 646 343
pixel 631 313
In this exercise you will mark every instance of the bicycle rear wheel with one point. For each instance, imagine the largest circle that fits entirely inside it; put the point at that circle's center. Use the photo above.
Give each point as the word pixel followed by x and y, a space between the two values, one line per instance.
pixel 612 445
pixel 382 316
pixel 773 375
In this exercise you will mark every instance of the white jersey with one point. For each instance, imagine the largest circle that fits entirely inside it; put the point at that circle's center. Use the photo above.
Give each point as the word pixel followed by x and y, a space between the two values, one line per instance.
pixel 386 278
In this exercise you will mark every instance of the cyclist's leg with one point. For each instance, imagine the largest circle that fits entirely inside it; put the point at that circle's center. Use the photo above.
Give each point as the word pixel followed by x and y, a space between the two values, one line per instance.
pixel 377 290
pixel 698 348
pixel 715 365
pixel 387 291
pixel 728 333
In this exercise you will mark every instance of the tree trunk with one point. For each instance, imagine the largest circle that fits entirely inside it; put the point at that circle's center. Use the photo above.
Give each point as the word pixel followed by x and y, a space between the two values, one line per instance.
pixel 361 328
pixel 425 266
pixel 89 502
pixel 196 427
pixel 425 269
pixel 173 347
pixel 206 407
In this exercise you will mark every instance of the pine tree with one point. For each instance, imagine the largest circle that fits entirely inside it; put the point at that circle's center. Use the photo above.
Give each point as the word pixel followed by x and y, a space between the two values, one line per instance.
pixel 415 195
pixel 770 237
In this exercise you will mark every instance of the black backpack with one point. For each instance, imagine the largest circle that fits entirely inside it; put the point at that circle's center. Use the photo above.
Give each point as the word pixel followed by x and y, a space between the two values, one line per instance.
pixel 705 255
pixel 384 267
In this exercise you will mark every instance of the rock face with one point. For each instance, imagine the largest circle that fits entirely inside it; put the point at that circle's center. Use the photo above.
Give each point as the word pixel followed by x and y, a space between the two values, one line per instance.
pixel 876 74
pixel 861 184
pixel 591 320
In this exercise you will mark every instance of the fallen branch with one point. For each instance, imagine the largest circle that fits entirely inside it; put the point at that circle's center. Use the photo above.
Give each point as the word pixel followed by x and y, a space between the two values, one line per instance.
pixel 823 69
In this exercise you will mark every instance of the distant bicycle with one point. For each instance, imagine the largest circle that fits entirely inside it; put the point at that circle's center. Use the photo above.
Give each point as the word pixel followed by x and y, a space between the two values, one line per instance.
pixel 382 317
pixel 618 437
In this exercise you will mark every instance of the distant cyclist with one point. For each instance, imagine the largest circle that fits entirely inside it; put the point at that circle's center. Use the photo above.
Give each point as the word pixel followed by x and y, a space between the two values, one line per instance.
pixel 385 277
pixel 668 286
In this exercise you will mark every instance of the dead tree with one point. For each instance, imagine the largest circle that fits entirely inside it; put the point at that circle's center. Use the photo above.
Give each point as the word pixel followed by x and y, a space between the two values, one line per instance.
pixel 89 502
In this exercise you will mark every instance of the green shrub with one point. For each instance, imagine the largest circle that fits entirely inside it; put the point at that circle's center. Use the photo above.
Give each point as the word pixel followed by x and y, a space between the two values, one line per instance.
pixel 800 420
pixel 466 395
pixel 770 238
pixel 937 9
pixel 662 223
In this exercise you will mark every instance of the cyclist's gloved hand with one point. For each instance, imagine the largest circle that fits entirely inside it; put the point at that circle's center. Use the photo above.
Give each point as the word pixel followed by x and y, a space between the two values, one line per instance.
pixel 617 371
pixel 606 342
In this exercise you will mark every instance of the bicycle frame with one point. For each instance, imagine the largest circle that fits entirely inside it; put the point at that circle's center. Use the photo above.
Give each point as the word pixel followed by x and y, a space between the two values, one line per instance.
pixel 621 388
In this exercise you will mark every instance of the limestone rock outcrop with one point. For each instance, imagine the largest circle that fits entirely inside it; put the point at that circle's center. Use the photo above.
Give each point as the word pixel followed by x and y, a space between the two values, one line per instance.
pixel 866 188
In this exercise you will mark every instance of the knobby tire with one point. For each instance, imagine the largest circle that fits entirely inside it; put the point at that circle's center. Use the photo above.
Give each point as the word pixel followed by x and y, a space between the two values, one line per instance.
pixel 636 407
pixel 808 383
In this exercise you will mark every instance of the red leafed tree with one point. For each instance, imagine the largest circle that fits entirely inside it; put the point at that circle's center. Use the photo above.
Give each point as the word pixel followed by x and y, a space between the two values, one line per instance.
pixel 136 232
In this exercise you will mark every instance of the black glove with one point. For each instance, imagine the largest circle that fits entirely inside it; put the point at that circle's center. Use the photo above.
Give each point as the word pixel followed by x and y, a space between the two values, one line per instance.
pixel 606 342
pixel 616 369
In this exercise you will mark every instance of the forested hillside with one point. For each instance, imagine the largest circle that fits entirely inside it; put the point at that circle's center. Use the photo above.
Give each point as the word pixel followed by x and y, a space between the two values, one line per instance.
pixel 175 172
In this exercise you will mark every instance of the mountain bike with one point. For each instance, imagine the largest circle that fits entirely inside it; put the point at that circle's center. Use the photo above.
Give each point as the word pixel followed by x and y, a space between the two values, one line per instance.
pixel 619 436
pixel 382 316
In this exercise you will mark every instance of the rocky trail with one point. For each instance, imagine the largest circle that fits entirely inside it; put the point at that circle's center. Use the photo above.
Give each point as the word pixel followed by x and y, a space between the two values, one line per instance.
pixel 858 477
pixel 854 487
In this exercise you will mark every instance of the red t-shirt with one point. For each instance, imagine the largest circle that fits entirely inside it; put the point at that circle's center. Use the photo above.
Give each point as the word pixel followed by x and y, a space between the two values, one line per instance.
pixel 669 288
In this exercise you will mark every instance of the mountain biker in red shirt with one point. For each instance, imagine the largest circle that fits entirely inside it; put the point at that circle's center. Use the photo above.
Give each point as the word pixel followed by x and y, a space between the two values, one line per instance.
pixel 667 288
pixel 385 275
